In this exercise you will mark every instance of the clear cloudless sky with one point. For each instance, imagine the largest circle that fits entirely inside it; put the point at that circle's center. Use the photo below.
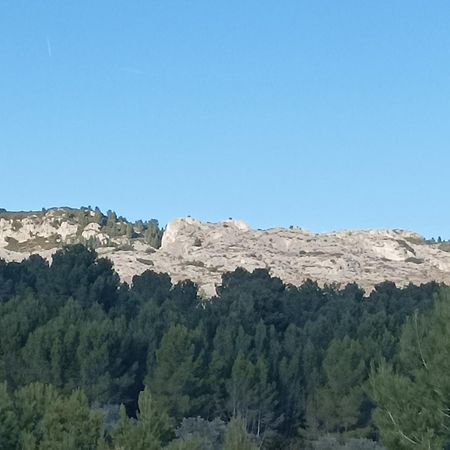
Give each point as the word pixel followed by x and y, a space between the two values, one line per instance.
pixel 323 114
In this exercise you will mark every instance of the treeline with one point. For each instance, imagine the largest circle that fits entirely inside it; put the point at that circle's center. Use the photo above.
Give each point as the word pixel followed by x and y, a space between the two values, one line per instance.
pixel 116 226
pixel 110 224
pixel 88 362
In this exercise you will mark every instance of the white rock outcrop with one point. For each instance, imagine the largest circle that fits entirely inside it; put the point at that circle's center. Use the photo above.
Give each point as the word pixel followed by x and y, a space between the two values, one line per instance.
pixel 202 252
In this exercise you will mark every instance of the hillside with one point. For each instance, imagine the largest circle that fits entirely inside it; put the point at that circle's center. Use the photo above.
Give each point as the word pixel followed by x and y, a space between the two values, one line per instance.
pixel 202 252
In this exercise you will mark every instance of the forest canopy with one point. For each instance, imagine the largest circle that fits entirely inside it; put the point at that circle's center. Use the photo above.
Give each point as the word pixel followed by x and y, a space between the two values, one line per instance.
pixel 88 362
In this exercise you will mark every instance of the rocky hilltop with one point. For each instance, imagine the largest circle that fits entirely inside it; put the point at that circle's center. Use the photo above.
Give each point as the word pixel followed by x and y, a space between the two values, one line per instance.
pixel 190 249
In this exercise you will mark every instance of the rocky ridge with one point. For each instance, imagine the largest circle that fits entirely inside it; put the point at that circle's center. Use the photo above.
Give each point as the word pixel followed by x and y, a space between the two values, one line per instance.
pixel 202 252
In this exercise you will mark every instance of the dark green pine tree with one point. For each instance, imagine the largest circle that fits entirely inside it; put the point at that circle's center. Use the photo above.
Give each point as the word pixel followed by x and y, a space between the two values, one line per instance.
pixel 111 220
pixel 341 398
pixel 105 370
pixel 19 317
pixel 70 423
pixel 177 376
pixel 9 423
pixel 149 431
pixel 413 397
pixel 263 417
pixel 291 380
pixel 50 421
pixel 239 387
pixel 50 352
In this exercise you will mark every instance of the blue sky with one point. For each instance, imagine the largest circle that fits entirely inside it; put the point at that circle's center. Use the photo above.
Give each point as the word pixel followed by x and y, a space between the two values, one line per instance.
pixel 322 114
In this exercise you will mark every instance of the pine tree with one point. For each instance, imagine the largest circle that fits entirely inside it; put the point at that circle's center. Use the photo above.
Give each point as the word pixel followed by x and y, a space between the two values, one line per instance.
pixel 9 424
pixel 129 230
pixel 148 431
pixel 291 379
pixel 263 417
pixel 98 216
pixel 111 221
pixel 51 421
pixel 177 378
pixel 236 436
pixel 413 398
pixel 151 235
pixel 341 397
pixel 69 423
pixel 239 387
pixel 104 369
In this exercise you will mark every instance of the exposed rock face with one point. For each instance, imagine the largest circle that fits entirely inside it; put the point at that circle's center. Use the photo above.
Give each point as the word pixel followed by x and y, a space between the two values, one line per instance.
pixel 203 251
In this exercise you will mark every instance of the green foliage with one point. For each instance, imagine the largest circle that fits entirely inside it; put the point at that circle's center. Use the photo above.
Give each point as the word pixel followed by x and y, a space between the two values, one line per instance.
pixel 292 362
pixel 70 424
pixel 9 423
pixel 176 378
pixel 208 435
pixel 114 227
pixel 251 395
pixel 413 396
pixel 236 436
pixel 151 234
pixel 333 443
pixel 191 443
pixel 148 431
pixel 341 397
pixel 38 417
pixel 18 319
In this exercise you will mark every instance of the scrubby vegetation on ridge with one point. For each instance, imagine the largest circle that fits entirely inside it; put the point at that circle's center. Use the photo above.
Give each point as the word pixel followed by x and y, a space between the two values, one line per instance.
pixel 88 362
pixel 110 224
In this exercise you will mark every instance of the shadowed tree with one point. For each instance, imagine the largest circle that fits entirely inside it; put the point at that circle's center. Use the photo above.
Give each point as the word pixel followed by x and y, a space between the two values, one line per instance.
pixel 413 396
pixel 150 429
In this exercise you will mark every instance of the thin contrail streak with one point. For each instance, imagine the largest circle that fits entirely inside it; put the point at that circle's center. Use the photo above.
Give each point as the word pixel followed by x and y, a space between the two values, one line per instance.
pixel 49 48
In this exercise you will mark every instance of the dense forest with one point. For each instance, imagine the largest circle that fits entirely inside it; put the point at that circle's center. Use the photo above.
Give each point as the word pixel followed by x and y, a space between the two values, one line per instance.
pixel 88 362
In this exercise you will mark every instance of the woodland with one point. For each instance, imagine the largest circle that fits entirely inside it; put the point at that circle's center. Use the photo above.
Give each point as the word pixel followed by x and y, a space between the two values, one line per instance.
pixel 89 362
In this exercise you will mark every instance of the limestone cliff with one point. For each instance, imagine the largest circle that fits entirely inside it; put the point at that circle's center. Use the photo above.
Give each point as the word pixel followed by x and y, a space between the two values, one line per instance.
pixel 199 251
